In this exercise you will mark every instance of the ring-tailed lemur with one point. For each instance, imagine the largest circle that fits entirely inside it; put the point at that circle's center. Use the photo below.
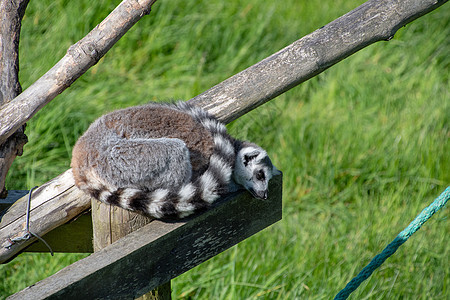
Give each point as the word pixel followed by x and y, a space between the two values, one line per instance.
pixel 166 160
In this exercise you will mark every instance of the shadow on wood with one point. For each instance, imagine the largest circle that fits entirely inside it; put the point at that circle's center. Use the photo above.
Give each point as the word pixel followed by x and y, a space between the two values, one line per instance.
pixel 72 237
pixel 160 251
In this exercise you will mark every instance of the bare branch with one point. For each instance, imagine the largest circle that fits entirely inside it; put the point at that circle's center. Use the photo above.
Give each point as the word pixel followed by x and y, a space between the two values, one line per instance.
pixel 11 148
pixel 375 20
pixel 78 59
pixel 12 13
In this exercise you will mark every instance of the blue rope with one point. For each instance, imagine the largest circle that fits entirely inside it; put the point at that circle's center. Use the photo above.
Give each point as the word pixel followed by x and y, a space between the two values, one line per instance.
pixel 402 237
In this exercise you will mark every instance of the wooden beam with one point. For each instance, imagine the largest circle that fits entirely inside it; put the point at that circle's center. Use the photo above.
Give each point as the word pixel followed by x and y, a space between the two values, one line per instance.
pixel 373 21
pixel 12 13
pixel 111 223
pixel 160 251
pixel 53 204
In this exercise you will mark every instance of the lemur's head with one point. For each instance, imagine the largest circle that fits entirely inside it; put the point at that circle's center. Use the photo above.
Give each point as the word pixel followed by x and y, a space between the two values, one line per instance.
pixel 253 169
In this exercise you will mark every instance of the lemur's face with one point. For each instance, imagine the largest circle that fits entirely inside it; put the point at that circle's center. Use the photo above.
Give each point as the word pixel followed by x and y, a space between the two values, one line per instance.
pixel 253 170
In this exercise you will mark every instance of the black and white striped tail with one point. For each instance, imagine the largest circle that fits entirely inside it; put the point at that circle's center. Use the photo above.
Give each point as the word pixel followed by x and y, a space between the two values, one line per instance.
pixel 191 197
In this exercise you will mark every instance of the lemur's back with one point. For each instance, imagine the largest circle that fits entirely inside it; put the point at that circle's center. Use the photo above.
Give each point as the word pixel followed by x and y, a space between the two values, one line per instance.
pixel 144 122
pixel 166 160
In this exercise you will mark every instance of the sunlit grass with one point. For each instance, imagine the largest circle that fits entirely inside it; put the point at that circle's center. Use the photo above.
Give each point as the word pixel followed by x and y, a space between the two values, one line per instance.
pixel 363 147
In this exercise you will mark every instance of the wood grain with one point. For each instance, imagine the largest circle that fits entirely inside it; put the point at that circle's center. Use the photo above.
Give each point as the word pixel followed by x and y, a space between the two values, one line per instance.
pixel 74 236
pixel 160 251
pixel 111 223
pixel 53 204
pixel 11 13
pixel 373 21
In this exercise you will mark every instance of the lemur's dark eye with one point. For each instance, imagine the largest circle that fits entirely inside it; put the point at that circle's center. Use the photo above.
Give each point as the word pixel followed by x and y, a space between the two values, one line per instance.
pixel 260 175
pixel 248 158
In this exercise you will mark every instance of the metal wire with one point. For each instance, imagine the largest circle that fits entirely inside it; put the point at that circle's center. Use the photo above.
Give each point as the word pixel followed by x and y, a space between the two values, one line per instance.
pixel 28 234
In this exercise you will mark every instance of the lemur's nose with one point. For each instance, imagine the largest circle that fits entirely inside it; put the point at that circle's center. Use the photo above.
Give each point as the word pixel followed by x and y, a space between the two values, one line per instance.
pixel 263 195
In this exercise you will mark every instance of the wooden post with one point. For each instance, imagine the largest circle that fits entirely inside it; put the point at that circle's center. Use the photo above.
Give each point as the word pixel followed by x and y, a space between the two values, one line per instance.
pixel 110 223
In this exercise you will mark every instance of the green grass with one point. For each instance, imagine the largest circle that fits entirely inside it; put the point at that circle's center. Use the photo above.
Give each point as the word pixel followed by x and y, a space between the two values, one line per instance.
pixel 364 146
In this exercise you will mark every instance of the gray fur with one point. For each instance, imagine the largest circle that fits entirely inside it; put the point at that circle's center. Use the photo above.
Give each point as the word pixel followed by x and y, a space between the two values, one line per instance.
pixel 166 160
pixel 158 163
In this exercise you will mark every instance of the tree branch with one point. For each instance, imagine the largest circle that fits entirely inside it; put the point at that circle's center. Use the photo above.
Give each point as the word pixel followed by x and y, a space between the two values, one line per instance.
pixel 375 20
pixel 78 59
pixel 12 13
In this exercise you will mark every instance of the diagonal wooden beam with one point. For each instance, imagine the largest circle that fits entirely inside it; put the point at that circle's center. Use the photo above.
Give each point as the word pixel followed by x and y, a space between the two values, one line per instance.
pixel 373 21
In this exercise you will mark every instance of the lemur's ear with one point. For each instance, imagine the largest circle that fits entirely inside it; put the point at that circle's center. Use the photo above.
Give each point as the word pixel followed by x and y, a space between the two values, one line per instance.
pixel 250 156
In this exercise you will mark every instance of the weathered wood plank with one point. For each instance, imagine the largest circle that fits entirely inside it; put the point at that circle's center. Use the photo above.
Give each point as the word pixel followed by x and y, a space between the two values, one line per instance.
pixel 111 223
pixel 160 251
pixel 373 21
pixel 53 204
